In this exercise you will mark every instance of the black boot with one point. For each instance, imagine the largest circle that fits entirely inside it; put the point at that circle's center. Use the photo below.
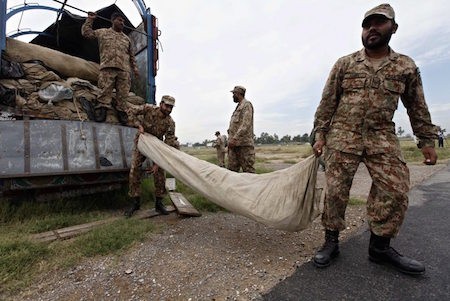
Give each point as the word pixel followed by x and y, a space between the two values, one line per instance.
pixel 136 206
pixel 159 207
pixel 100 114
pixel 381 252
pixel 329 250
pixel 123 117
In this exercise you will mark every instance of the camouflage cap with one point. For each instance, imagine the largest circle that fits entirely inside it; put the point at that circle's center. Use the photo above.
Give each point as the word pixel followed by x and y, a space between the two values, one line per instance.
pixel 382 9
pixel 239 89
pixel 168 100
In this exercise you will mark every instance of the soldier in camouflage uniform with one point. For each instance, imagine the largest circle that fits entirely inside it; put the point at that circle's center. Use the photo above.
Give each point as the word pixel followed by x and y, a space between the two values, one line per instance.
pixel 241 146
pixel 354 121
pixel 156 121
pixel 116 61
pixel 219 145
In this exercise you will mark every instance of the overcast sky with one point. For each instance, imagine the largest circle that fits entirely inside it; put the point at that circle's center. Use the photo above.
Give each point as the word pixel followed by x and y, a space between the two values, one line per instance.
pixel 281 51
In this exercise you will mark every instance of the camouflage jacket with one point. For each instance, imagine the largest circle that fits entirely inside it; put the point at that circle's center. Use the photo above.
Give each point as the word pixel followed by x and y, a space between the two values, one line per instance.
pixel 154 122
pixel 358 105
pixel 114 47
pixel 241 124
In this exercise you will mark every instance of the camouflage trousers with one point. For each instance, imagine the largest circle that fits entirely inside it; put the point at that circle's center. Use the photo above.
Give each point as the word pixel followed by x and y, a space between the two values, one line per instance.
pixel 387 201
pixel 221 157
pixel 108 79
pixel 241 156
pixel 136 172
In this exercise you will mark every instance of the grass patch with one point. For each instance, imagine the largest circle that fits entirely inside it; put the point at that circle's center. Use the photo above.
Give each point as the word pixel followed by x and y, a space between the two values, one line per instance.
pixel 112 238
pixel 356 202
pixel 17 258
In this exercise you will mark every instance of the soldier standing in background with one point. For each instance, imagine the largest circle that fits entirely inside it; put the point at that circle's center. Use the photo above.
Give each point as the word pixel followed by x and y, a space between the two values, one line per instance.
pixel 241 145
pixel 116 61
pixel 219 145
pixel 156 121
pixel 354 122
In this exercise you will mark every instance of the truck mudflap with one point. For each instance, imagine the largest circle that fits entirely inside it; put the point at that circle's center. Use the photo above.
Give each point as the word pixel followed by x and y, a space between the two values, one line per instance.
pixel 44 154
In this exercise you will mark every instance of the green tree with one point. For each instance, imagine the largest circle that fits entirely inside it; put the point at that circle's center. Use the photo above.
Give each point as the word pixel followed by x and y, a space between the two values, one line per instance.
pixel 285 139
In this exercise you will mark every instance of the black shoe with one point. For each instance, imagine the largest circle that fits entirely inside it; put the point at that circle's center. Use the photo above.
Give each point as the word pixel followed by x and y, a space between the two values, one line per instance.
pixel 100 114
pixel 135 207
pixel 159 207
pixel 123 117
pixel 328 251
pixel 380 252
pixel 402 263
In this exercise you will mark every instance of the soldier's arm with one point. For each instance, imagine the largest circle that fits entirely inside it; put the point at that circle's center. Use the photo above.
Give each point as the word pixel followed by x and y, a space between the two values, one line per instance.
pixel 136 114
pixel 170 138
pixel 329 102
pixel 133 63
pixel 246 124
pixel 86 28
pixel 414 101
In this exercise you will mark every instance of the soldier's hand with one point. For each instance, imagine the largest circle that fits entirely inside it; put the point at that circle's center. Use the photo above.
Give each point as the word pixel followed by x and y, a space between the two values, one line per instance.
pixel 430 155
pixel 155 168
pixel 92 15
pixel 318 147
pixel 141 129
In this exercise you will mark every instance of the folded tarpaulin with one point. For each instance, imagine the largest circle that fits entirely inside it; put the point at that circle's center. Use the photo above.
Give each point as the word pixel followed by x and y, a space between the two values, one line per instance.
pixel 286 199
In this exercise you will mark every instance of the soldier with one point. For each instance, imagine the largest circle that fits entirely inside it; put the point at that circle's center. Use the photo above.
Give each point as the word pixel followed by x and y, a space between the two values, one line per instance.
pixel 156 121
pixel 354 121
pixel 116 61
pixel 219 145
pixel 241 147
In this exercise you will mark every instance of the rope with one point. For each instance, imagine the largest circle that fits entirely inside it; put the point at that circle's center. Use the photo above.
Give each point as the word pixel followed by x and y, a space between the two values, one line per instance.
pixel 82 134
pixel 100 17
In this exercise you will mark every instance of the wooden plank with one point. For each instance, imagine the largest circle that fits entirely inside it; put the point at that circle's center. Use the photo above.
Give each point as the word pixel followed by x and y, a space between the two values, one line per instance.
pixel 182 204
pixel 70 232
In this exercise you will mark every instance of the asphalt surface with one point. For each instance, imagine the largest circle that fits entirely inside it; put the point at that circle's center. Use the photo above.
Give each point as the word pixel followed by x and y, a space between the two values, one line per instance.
pixel 424 236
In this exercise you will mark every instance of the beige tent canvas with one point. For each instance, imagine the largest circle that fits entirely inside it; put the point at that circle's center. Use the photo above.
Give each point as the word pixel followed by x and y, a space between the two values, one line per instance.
pixel 286 199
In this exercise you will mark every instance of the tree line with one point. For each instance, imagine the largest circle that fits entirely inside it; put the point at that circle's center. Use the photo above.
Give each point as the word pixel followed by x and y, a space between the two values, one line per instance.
pixel 266 138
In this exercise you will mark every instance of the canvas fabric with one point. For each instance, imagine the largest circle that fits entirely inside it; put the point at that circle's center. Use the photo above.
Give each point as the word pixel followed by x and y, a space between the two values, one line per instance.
pixel 286 199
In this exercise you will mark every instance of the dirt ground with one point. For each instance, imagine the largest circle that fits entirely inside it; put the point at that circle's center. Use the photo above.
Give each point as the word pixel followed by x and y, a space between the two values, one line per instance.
pixel 214 257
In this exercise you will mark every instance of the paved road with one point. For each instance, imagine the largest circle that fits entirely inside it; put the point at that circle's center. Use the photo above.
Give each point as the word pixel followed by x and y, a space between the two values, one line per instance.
pixel 425 235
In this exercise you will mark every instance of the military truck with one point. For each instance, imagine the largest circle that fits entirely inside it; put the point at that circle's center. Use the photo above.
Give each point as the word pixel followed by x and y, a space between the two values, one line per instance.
pixel 51 150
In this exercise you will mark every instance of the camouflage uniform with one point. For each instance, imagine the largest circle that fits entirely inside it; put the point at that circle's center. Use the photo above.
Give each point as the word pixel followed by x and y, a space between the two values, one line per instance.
pixel 161 126
pixel 220 148
pixel 241 129
pixel 116 61
pixel 355 119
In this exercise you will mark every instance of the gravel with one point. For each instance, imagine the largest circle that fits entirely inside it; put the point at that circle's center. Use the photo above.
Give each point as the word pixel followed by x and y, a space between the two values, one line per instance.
pixel 219 256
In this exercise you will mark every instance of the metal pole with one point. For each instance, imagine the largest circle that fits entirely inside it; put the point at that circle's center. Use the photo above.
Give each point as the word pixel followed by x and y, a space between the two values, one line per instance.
pixel 151 87
pixel 3 6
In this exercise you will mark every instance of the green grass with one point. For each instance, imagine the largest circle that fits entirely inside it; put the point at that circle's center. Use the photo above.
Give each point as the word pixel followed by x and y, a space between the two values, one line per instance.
pixel 356 202
pixel 412 154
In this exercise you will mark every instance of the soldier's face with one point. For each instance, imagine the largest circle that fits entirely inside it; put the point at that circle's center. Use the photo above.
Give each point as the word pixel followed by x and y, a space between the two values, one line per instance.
pixel 166 109
pixel 377 32
pixel 118 24
pixel 235 97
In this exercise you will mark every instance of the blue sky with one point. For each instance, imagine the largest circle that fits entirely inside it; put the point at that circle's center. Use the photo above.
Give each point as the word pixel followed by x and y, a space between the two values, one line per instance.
pixel 281 51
